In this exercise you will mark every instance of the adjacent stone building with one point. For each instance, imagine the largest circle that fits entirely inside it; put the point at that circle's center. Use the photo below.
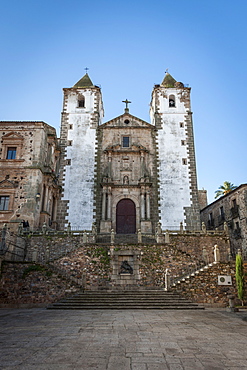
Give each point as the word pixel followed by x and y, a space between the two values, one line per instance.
pixel 126 174
pixel 29 161
pixel 229 211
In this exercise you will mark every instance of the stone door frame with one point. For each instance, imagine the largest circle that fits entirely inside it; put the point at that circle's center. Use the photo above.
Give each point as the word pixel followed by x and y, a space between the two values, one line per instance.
pixel 117 199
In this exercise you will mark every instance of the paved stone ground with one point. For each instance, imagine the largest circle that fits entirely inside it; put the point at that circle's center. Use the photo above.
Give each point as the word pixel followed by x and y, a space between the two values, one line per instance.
pixel 122 340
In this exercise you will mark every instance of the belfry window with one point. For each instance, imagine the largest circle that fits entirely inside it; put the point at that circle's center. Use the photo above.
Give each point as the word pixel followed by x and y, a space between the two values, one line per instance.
pixel 11 153
pixel 172 101
pixel 126 142
pixel 81 102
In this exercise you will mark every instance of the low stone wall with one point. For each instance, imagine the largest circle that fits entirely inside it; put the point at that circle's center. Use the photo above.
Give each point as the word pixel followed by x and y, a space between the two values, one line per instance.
pixel 29 285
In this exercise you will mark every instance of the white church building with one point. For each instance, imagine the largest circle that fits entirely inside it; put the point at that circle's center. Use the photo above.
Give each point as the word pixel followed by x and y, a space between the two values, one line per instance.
pixel 127 174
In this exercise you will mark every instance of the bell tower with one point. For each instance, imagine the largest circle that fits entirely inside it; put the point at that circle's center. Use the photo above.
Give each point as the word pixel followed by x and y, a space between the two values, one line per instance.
pixel 170 112
pixel 82 114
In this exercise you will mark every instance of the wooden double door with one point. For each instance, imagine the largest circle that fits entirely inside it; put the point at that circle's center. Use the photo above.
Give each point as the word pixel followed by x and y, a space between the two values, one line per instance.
pixel 126 217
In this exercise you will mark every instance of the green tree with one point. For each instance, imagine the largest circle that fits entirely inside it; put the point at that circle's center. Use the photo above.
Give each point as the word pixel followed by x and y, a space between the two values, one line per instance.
pixel 240 277
pixel 224 189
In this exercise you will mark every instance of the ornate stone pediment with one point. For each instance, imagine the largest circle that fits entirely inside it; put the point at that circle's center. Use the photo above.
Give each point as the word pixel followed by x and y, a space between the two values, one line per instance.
pixel 6 184
pixel 13 136
pixel 126 120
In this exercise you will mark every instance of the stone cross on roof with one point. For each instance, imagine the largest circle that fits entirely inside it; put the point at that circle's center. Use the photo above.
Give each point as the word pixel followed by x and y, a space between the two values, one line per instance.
pixel 126 108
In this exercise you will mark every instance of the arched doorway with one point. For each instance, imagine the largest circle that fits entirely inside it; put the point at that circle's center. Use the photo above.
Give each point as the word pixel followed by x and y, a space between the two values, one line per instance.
pixel 126 217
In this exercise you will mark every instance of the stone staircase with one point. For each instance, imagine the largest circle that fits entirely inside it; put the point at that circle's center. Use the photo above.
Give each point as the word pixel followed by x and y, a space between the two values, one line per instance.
pixel 126 299
pixel 186 277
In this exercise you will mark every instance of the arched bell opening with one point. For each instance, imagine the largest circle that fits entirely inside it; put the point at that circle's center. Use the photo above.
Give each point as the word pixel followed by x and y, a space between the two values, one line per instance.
pixel 172 101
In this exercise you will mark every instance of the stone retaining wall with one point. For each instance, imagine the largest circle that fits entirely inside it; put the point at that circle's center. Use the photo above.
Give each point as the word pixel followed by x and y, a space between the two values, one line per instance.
pixel 204 288
pixel 91 267
pixel 54 247
pixel 25 284
pixel 195 245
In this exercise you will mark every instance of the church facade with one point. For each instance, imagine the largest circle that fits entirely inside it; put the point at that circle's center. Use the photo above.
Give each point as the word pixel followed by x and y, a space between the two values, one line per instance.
pixel 126 174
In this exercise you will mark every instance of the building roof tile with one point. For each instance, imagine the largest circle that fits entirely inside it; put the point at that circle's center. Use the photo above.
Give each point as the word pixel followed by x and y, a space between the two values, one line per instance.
pixel 85 81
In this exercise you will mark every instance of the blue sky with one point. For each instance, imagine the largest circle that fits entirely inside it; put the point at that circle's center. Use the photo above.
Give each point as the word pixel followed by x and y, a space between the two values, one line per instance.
pixel 127 46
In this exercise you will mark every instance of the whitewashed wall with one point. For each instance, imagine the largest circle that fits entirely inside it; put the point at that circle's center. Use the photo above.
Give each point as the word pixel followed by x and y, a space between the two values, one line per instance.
pixel 79 175
pixel 174 179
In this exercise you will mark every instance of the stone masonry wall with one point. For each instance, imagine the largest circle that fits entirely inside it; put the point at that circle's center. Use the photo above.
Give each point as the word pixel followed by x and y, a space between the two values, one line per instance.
pixel 192 244
pixel 25 284
pixel 204 288
pixel 90 265
pixel 201 246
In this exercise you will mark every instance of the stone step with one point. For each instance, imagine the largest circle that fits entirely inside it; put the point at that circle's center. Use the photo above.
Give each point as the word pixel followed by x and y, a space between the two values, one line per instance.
pixel 126 297
pixel 128 293
pixel 118 307
pixel 125 300
pixel 122 307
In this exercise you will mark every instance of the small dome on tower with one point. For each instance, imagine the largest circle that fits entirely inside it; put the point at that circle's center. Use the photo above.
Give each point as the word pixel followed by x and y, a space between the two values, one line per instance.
pixel 85 81
pixel 168 81
pixel 180 85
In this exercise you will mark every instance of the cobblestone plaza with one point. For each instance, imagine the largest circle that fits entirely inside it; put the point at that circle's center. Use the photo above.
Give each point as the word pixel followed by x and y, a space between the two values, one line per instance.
pixel 210 339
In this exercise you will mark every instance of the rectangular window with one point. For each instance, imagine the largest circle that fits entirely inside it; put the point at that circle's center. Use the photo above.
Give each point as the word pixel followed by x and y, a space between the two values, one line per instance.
pixel 126 141
pixel 11 153
pixel 221 211
pixel 4 203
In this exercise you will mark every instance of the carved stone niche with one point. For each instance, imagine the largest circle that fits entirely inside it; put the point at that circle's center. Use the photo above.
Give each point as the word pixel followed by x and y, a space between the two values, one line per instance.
pixel 125 267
